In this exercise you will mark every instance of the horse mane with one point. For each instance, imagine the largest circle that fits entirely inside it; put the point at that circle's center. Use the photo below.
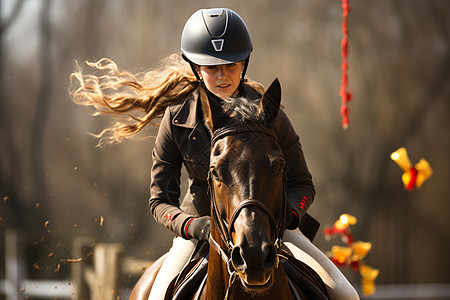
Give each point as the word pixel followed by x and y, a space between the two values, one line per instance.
pixel 243 110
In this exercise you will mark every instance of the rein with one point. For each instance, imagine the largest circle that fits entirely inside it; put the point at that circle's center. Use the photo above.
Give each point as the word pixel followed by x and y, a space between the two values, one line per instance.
pixel 225 229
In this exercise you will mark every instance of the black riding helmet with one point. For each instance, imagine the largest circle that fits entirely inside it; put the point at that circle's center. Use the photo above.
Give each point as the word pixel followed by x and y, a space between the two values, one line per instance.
pixel 216 36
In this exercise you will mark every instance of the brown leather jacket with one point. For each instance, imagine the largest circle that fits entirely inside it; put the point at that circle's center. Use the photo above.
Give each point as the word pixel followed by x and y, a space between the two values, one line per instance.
pixel 183 139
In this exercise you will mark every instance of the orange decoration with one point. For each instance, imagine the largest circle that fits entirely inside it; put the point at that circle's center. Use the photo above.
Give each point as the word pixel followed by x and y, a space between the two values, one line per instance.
pixel 353 254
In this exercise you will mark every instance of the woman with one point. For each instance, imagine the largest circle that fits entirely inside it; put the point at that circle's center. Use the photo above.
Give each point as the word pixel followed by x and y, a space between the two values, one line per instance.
pixel 216 45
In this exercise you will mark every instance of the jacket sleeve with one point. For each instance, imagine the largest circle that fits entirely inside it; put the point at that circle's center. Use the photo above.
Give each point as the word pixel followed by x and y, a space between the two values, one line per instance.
pixel 165 179
pixel 300 188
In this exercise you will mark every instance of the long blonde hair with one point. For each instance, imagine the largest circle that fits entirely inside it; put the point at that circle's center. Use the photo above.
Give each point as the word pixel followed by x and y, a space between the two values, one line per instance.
pixel 139 98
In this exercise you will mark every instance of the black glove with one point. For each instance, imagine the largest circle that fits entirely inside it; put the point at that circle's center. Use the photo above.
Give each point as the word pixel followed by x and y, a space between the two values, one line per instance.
pixel 199 228
pixel 292 219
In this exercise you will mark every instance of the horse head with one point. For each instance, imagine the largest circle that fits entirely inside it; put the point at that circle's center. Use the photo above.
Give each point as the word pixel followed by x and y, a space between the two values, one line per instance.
pixel 246 178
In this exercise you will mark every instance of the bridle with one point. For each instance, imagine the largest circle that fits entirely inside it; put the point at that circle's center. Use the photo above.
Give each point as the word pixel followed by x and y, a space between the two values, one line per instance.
pixel 225 229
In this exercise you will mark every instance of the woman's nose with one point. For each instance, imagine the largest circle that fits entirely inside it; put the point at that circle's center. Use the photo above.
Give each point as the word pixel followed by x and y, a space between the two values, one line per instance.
pixel 220 72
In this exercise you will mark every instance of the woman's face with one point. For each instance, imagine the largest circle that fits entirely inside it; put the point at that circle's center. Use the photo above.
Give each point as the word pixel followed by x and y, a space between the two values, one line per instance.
pixel 222 80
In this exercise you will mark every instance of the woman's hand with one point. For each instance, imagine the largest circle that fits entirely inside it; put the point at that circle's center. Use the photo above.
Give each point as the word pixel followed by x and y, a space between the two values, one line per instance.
pixel 199 228
pixel 292 219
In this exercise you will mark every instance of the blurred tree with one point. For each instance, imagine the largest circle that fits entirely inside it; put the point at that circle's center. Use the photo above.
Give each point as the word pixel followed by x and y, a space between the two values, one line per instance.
pixel 8 161
pixel 42 111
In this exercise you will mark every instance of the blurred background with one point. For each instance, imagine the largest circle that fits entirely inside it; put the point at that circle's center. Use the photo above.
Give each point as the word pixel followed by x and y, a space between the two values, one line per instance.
pixel 56 185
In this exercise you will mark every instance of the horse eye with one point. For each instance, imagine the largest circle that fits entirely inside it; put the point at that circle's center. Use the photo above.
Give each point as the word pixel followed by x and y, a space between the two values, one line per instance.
pixel 214 174
pixel 278 165
pixel 281 167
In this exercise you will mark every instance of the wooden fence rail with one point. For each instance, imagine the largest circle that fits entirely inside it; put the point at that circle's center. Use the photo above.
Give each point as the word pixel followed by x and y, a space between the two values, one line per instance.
pixel 100 275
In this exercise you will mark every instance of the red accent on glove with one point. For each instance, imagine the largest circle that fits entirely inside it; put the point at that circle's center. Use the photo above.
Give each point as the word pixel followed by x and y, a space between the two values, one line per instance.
pixel 186 228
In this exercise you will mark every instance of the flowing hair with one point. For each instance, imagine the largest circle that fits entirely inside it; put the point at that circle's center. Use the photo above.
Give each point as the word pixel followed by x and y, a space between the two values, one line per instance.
pixel 138 98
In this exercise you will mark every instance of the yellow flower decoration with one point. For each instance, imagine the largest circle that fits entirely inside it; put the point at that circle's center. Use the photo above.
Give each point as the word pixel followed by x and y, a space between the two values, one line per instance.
pixel 341 254
pixel 344 221
pixel 368 275
pixel 413 176
pixel 360 250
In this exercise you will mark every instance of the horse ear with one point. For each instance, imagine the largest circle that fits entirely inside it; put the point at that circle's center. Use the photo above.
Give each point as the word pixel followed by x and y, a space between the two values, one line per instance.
pixel 270 102
pixel 212 111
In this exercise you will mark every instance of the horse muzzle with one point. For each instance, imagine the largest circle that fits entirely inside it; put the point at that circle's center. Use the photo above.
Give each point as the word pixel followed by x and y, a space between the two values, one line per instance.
pixel 255 266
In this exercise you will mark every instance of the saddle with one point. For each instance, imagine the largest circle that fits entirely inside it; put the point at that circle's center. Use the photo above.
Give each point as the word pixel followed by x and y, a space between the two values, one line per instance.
pixel 302 279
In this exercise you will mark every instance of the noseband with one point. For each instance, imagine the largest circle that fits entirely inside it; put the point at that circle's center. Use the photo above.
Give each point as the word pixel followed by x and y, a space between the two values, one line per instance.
pixel 226 230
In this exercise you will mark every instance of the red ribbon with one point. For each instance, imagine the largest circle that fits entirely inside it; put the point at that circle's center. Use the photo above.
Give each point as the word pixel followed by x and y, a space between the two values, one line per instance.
pixel 346 96
pixel 412 181
pixel 345 233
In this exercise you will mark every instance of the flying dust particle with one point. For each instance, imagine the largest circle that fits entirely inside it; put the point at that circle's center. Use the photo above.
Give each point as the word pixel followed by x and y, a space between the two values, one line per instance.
pixel 71 260
pixel 47 224
pixel 5 199
pixel 101 221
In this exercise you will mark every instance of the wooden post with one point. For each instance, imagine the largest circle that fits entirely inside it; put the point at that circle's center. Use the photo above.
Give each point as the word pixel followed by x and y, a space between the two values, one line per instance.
pixel 82 250
pixel 108 271
pixel 14 263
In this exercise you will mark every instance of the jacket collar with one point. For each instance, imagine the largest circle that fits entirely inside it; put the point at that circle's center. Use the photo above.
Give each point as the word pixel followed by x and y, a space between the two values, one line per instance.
pixel 187 115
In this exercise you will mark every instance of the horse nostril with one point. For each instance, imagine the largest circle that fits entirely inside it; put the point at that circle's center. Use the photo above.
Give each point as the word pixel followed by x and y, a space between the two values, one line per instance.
pixel 271 257
pixel 237 259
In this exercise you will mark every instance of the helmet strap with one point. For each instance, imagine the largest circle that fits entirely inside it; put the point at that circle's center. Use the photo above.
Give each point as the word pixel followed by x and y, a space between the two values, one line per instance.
pixel 243 73
pixel 245 68
pixel 194 70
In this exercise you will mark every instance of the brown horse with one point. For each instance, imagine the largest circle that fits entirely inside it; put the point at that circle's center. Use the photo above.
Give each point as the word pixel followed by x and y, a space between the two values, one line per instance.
pixel 248 203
